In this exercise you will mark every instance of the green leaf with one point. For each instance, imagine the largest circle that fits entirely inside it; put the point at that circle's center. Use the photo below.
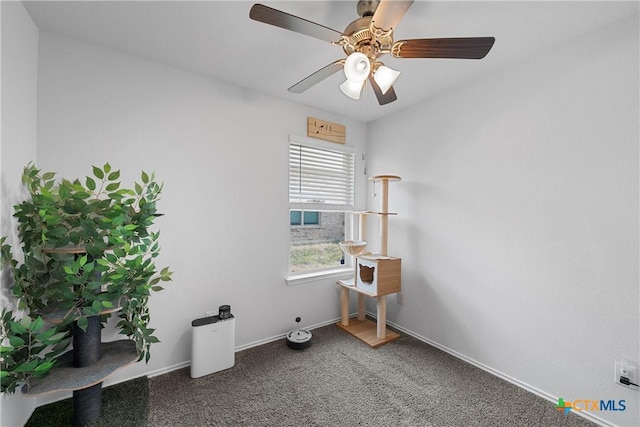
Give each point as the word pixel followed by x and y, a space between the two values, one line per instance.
pixel 81 195
pixel 17 328
pixel 36 325
pixel 115 196
pixel 107 304
pixel 16 341
pixel 114 175
pixel 97 172
pixel 27 367
pixel 57 337
pixel 103 262
pixel 82 323
pixel 46 334
pixel 43 367
pixel 145 177
pixel 4 374
pixel 157 288
pixel 48 175
pixel 91 184
pixel 25 321
pixel 107 167
pixel 113 186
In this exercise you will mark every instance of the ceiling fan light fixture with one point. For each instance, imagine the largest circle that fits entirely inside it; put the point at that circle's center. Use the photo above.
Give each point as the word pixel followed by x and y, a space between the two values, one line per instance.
pixel 356 68
pixel 385 77
pixel 352 88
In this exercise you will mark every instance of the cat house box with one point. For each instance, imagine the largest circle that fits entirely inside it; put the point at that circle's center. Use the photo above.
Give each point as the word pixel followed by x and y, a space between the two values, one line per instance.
pixel 377 274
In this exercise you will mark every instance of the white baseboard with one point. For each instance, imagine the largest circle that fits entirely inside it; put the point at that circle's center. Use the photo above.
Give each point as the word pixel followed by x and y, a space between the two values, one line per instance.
pixel 168 369
pixel 514 381
pixel 238 348
pixel 281 336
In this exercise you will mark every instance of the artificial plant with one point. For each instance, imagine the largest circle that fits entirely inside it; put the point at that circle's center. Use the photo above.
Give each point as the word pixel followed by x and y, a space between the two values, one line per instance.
pixel 87 248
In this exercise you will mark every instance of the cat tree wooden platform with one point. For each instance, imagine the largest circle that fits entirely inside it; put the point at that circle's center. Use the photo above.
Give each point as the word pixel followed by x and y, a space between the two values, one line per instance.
pixel 376 276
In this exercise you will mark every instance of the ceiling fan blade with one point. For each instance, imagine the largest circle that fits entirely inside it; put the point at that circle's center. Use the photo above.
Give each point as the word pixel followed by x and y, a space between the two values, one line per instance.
pixel 385 98
pixel 317 77
pixel 268 15
pixel 388 15
pixel 454 48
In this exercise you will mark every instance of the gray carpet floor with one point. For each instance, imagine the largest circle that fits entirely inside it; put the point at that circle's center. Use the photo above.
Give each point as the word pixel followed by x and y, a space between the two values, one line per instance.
pixel 340 381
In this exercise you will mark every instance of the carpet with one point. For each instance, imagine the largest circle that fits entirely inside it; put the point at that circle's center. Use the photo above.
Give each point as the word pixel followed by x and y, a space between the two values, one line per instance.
pixel 123 404
pixel 340 381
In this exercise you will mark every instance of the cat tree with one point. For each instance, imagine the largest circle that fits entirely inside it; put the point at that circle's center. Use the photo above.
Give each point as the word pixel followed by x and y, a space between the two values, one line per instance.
pixel 375 275
pixel 83 369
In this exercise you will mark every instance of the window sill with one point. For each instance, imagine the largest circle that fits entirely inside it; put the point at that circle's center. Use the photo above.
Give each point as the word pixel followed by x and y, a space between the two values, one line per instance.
pixel 298 279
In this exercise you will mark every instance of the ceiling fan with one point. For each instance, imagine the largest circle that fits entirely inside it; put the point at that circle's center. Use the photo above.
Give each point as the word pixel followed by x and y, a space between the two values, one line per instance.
pixel 365 40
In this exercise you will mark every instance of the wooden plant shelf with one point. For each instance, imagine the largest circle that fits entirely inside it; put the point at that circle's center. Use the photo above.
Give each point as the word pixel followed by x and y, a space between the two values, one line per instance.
pixel 57 315
pixel 65 250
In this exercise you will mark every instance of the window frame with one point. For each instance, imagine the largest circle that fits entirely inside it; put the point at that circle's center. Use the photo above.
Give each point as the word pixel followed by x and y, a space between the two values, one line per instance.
pixel 303 223
pixel 329 146
pixel 338 272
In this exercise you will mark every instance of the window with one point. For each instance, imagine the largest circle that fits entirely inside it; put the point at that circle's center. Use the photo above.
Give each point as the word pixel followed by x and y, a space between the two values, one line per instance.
pixel 304 218
pixel 321 189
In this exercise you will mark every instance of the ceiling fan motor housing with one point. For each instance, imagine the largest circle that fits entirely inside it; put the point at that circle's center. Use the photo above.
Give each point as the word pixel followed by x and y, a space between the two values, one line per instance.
pixel 361 39
pixel 367 7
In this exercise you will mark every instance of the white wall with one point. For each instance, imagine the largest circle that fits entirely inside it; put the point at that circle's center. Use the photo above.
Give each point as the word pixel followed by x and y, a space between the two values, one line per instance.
pixel 222 153
pixel 17 148
pixel 518 218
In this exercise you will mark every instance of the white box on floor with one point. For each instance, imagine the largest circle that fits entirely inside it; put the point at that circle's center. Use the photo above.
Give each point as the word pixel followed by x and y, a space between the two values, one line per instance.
pixel 213 345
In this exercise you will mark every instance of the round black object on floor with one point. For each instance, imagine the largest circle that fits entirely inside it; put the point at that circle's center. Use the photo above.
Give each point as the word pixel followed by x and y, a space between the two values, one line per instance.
pixel 299 339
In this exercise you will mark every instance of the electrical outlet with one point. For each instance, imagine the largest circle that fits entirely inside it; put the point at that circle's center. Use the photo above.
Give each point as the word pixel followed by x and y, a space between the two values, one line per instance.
pixel 625 368
pixel 400 298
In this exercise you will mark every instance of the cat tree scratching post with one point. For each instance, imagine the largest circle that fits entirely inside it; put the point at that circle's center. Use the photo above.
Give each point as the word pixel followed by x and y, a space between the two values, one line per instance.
pixel 384 211
pixel 376 276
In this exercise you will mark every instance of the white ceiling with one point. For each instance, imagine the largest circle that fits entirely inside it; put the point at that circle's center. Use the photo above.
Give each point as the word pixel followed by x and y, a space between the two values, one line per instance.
pixel 217 38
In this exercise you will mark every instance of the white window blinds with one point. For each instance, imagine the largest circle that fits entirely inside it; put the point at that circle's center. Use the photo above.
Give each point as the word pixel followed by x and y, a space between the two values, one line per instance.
pixel 320 179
